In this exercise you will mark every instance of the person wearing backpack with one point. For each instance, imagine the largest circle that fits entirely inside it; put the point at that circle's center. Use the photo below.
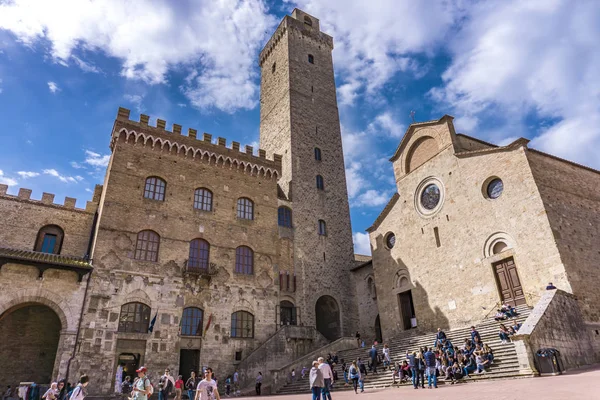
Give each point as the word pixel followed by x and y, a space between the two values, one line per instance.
pixel 79 393
pixel 355 375
pixel 142 388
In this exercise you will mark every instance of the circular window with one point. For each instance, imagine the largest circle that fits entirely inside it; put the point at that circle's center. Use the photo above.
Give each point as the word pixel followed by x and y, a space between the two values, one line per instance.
pixel 495 188
pixel 390 240
pixel 430 196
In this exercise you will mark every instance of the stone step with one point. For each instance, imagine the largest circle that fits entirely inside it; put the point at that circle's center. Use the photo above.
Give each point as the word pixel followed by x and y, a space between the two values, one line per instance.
pixel 505 357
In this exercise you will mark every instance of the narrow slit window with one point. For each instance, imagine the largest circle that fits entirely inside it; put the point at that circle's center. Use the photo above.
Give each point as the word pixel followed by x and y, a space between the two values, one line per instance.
pixel 311 59
pixel 437 236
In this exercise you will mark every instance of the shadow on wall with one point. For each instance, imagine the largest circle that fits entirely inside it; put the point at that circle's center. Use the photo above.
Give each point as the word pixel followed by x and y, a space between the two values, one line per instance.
pixel 407 302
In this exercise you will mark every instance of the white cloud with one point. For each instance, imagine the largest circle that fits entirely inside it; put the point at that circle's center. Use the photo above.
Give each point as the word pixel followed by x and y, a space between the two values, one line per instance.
pixel 5 180
pixel 28 174
pixel 56 174
pixel 515 59
pixel 84 65
pixel 375 40
pixel 136 100
pixel 53 87
pixel 76 165
pixel 362 245
pixel 95 159
pixel 354 180
pixel 182 105
pixel 79 178
pixel 219 40
pixel 372 198
pixel 89 190
pixel 386 124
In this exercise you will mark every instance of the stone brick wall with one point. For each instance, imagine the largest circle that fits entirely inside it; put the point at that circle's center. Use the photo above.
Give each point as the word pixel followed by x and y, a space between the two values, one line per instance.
pixel 298 113
pixel 289 343
pixel 366 299
pixel 571 197
pixel 163 285
pixel 454 284
pixel 556 322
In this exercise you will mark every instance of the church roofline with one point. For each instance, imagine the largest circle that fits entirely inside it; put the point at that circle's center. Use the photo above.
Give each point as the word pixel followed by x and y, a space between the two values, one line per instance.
pixel 477 140
pixel 411 127
pixel 511 146
pixel 386 210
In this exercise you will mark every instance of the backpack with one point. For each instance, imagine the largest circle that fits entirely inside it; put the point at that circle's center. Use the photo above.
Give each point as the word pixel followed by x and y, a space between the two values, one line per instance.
pixel 148 386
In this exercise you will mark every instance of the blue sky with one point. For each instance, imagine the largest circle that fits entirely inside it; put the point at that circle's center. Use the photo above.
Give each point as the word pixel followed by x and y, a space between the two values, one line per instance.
pixel 504 69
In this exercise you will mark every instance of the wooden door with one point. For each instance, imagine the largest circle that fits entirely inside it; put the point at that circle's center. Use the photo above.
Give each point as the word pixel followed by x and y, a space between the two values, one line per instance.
pixel 509 284
pixel 405 300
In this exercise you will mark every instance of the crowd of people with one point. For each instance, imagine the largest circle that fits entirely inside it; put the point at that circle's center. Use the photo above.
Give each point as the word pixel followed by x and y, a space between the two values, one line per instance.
pixel 61 390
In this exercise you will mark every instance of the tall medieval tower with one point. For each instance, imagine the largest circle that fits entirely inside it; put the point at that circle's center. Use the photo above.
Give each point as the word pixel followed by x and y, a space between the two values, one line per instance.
pixel 299 119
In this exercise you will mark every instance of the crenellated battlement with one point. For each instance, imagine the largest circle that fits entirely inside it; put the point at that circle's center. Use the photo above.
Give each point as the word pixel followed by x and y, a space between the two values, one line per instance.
pixel 48 199
pixel 193 146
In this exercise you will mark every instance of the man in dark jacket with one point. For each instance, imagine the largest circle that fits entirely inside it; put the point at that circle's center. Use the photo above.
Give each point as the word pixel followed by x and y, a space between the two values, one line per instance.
pixel 373 355
pixel 430 365
pixel 414 368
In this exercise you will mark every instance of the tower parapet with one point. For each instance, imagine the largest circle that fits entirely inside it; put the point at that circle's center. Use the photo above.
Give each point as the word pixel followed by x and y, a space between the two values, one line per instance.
pixel 47 199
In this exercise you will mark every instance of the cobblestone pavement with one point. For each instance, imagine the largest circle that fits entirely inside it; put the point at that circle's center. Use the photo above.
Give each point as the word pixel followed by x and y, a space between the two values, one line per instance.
pixel 577 385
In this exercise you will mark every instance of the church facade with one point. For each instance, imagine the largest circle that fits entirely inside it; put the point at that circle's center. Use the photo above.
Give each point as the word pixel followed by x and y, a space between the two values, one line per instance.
pixel 194 251
pixel 474 225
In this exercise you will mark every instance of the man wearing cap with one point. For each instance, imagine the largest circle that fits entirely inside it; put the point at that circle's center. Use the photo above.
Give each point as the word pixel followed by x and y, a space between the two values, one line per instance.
pixel 142 386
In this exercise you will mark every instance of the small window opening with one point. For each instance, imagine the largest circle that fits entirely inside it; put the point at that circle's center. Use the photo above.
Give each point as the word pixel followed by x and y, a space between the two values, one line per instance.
pixel 311 59
pixel 273 68
pixel 437 236
pixel 312 89
pixel 307 21
pixel 447 217
pixel 238 355
pixel 422 231
pixel 323 256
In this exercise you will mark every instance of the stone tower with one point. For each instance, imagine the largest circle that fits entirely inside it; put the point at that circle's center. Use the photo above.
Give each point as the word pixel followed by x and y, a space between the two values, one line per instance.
pixel 299 119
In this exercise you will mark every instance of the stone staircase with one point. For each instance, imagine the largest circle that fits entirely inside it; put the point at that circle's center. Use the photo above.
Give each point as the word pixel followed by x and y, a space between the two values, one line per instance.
pixel 505 357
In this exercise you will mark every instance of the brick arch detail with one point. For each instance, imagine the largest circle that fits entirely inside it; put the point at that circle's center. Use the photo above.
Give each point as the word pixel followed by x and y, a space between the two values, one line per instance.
pixel 44 297
pixel 414 142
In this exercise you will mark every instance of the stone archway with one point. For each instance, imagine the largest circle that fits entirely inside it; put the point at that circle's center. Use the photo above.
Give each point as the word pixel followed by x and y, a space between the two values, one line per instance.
pixel 30 335
pixel 327 313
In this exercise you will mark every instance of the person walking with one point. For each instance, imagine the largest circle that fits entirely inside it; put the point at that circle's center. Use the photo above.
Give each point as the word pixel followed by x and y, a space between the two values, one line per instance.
pixel 354 374
pixel 358 339
pixel 166 384
pixel 387 360
pixel 259 379
pixel 191 384
pixel 316 381
pixel 51 394
pixel 236 383
pixel 79 392
pixel 373 355
pixel 119 377
pixel 207 387
pixel 430 366
pixel 327 378
pixel 178 387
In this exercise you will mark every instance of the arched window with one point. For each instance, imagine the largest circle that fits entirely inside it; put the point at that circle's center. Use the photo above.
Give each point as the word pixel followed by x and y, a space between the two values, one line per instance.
pixel 146 246
pixel 307 20
pixel 155 188
pixel 284 217
pixel 49 239
pixel 244 260
pixel 322 228
pixel 317 154
pixel 203 199
pixel 192 321
pixel 242 325
pixel 134 317
pixel 199 250
pixel 320 183
pixel 245 208
pixel 311 59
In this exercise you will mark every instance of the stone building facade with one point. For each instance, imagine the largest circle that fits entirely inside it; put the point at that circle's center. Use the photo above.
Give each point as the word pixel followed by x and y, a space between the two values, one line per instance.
pixel 194 251
pixel 473 224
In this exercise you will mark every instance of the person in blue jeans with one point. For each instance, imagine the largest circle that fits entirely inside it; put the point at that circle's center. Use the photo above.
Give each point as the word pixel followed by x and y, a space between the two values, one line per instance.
pixel 316 381
pixel 414 368
pixel 430 368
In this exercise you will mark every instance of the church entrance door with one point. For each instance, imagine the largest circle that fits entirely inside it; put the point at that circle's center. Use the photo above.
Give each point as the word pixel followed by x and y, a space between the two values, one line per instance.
pixel 407 309
pixel 509 284
pixel 189 360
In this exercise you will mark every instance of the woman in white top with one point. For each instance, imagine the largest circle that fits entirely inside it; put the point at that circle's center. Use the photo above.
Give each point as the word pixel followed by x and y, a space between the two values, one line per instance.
pixel 51 393
pixel 387 361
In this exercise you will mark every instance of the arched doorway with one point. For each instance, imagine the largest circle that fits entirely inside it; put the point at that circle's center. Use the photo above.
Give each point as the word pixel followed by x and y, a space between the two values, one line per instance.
pixel 287 313
pixel 378 335
pixel 30 335
pixel 327 313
